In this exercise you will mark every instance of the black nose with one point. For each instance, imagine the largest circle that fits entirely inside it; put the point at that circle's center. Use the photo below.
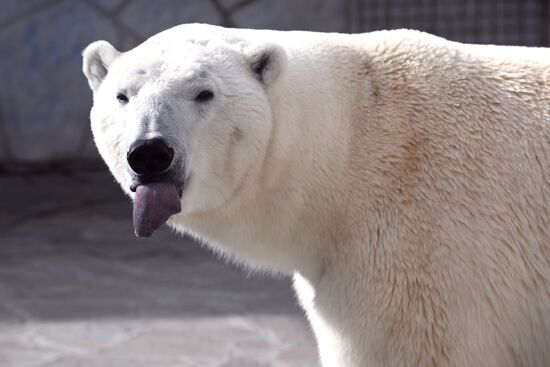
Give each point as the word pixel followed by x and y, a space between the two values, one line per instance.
pixel 150 157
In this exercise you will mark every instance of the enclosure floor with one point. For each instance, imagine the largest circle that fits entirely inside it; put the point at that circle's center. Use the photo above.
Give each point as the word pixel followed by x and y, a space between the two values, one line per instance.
pixel 77 289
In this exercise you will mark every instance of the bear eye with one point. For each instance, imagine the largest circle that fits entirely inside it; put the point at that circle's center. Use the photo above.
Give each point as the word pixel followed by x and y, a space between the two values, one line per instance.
pixel 204 96
pixel 122 98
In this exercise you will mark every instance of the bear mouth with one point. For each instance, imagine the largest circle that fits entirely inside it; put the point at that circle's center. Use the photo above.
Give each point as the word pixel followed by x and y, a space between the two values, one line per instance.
pixel 154 204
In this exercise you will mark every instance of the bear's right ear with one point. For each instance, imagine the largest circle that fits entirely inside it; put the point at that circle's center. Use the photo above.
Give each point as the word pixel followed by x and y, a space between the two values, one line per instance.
pixel 267 62
pixel 97 58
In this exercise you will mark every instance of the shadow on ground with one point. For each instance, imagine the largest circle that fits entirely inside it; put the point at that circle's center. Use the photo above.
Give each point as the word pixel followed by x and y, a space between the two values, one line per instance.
pixel 78 289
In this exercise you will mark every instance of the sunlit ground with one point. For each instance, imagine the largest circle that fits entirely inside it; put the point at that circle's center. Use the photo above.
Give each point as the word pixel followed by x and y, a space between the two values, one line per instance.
pixel 77 289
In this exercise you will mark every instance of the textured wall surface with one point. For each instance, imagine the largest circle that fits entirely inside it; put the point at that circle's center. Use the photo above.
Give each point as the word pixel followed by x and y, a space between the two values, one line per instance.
pixel 44 98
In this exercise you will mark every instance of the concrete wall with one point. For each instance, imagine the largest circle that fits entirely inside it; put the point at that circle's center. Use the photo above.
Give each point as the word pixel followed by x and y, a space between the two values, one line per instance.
pixel 44 98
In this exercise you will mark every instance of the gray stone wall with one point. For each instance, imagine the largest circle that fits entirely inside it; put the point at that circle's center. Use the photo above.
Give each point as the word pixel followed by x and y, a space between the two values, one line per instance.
pixel 44 98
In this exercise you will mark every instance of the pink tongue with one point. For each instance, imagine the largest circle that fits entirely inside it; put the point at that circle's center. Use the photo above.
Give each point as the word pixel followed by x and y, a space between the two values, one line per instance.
pixel 154 203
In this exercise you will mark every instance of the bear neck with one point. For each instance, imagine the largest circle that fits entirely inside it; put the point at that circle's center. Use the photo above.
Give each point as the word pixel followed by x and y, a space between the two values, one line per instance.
pixel 276 226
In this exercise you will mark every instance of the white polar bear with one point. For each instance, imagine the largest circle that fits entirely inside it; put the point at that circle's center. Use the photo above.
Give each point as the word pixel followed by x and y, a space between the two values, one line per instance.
pixel 403 179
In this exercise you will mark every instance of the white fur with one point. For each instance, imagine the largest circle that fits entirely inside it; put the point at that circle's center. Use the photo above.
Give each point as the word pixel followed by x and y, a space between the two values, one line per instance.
pixel 403 179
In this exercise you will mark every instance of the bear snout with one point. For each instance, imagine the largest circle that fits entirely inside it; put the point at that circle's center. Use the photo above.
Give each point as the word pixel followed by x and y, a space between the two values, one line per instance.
pixel 150 157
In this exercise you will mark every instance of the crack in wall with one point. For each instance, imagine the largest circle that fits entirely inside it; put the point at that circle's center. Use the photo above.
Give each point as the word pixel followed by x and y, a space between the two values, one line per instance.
pixel 113 18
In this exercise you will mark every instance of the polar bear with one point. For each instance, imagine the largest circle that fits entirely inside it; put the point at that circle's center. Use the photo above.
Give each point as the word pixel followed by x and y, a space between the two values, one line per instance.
pixel 403 180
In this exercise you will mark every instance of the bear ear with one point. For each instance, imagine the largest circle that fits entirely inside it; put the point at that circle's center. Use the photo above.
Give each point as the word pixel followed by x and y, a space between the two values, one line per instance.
pixel 97 58
pixel 267 62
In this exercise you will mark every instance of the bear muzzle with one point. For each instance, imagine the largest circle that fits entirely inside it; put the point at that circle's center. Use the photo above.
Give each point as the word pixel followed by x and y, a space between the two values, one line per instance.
pixel 149 157
pixel 157 192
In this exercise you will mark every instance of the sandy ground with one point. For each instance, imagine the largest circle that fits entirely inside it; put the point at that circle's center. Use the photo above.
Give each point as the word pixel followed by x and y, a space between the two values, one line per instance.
pixel 78 289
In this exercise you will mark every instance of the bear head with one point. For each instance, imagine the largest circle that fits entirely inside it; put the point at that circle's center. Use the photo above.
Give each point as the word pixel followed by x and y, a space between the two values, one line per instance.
pixel 182 123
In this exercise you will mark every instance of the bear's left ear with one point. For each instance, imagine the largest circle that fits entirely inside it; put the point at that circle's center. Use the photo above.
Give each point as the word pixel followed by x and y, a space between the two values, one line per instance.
pixel 267 62
pixel 96 59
